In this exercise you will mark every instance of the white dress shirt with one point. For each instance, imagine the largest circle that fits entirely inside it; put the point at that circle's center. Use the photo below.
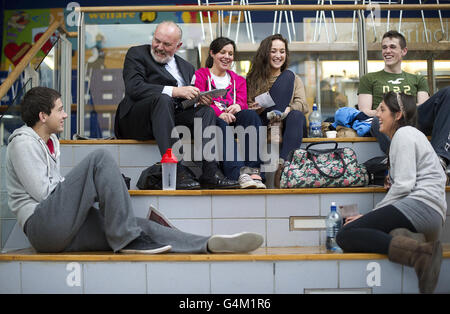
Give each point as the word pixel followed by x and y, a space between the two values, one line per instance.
pixel 172 68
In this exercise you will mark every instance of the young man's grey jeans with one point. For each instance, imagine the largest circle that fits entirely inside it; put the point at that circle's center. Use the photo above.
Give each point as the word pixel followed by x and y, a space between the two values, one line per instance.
pixel 67 221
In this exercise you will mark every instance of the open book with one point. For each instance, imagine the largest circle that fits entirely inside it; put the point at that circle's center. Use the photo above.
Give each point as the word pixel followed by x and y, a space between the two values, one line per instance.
pixel 213 93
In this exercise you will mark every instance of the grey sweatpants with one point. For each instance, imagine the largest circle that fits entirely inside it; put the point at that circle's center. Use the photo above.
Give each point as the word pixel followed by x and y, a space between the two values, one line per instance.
pixel 67 221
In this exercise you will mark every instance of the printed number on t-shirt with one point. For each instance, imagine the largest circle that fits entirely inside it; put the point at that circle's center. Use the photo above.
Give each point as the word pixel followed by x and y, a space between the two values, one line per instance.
pixel 397 89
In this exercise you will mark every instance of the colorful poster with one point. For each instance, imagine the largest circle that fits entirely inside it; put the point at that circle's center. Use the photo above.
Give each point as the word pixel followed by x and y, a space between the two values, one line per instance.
pixel 21 29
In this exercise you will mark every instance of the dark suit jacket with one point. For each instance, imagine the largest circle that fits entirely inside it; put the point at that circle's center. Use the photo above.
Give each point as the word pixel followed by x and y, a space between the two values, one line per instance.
pixel 145 78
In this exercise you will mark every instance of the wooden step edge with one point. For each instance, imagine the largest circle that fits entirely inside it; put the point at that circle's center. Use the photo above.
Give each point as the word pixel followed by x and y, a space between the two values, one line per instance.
pixel 261 191
pixel 258 191
pixel 114 142
pixel 262 254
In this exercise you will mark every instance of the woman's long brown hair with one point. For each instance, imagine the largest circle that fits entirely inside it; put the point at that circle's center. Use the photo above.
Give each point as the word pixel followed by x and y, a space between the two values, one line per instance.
pixel 260 70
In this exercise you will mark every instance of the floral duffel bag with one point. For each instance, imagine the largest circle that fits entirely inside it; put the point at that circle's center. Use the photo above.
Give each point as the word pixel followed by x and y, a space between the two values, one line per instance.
pixel 316 168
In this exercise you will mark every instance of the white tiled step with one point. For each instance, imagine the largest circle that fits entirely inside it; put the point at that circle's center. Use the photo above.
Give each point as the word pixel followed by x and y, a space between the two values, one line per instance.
pixel 266 214
pixel 262 272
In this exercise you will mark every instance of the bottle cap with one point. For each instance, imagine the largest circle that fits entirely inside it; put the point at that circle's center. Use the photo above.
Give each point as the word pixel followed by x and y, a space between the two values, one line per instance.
pixel 333 205
pixel 169 157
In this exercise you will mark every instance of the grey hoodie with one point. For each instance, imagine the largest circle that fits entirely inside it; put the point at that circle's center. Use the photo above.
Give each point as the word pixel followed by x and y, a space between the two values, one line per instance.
pixel 32 172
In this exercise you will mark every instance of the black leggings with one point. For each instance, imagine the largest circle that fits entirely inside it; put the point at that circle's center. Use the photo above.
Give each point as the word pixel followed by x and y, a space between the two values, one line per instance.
pixel 370 233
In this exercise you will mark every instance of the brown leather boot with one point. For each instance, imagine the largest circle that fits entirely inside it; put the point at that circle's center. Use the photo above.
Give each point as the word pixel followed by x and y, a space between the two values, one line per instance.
pixel 426 258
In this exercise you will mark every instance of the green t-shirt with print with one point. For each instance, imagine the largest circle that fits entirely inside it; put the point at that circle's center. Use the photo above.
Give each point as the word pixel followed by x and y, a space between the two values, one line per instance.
pixel 381 82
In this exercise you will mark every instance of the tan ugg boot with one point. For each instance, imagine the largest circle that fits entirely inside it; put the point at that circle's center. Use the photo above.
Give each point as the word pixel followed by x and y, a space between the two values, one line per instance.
pixel 420 237
pixel 426 258
pixel 275 131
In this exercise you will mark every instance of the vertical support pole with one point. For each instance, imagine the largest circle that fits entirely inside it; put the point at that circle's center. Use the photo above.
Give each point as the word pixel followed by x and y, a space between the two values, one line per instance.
pixel 430 74
pixel 66 85
pixel 362 44
pixel 81 76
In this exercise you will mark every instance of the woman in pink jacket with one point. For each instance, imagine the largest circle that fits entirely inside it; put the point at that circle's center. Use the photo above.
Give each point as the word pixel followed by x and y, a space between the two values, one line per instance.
pixel 232 110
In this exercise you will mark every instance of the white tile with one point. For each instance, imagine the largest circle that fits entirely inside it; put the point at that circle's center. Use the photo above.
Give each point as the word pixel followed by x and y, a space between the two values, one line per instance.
pixel 278 234
pixel 142 155
pixel 378 197
pixel 292 205
pixel 52 277
pixel 294 277
pixel 115 278
pixel 16 239
pixel 67 156
pixel 9 277
pixel 81 151
pixel 133 173
pixel 183 278
pixel 248 206
pixel 443 285
pixel 410 282
pixel 380 275
pixel 242 277
pixel 185 206
pixel 141 204
pixel 363 200
pixel 231 226
pixel 411 285
pixel 196 226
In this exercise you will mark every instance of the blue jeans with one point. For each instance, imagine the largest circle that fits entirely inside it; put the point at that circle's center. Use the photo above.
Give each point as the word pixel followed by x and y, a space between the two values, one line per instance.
pixel 231 168
pixel 433 118
pixel 294 125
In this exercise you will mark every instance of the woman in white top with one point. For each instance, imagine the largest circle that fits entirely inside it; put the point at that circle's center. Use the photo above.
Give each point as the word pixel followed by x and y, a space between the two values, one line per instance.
pixel 414 208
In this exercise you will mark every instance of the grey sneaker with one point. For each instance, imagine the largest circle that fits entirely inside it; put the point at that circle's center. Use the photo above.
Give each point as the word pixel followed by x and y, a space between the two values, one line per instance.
pixel 236 243
pixel 144 245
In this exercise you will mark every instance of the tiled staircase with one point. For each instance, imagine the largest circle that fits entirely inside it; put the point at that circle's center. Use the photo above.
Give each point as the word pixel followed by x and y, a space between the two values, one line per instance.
pixel 292 259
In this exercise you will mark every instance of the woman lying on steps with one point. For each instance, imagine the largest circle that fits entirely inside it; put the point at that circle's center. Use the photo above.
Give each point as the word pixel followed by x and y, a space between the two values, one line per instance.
pixel 414 209
pixel 57 213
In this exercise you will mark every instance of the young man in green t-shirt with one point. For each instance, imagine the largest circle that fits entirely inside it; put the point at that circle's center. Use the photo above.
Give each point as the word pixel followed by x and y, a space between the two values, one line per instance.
pixel 433 112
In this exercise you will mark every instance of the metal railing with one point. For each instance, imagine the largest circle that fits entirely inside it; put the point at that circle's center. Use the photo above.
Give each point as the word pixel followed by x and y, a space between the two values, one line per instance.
pixel 280 7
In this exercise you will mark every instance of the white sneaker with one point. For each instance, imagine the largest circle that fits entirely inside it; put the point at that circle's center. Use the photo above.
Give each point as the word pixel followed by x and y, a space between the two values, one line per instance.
pixel 236 243
pixel 258 180
pixel 246 182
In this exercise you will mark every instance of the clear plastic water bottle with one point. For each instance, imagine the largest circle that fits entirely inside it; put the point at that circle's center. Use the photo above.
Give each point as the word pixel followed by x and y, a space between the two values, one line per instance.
pixel 315 123
pixel 333 224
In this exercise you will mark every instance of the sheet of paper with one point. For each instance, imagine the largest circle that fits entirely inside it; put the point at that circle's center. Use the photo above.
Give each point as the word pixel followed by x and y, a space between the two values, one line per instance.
pixel 265 100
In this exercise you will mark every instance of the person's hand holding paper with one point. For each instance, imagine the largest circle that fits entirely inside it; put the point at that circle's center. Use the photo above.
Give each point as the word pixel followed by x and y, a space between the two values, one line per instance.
pixel 212 93
pixel 265 100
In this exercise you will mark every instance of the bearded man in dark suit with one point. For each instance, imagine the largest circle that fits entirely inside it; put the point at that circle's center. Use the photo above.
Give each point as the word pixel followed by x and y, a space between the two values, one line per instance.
pixel 156 82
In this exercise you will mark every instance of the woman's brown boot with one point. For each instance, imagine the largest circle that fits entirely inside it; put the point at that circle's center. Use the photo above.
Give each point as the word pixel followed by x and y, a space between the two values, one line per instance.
pixel 426 258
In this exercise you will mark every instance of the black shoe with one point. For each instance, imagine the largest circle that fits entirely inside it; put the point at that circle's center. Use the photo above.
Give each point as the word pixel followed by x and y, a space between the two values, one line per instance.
pixel 217 181
pixel 144 245
pixel 185 180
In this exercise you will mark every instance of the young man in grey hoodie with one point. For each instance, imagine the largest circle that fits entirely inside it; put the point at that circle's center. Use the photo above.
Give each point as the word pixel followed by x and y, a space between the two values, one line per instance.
pixel 57 213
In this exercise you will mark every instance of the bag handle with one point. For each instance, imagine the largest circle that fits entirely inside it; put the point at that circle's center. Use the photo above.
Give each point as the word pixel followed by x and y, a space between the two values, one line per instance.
pixel 324 142
pixel 309 155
